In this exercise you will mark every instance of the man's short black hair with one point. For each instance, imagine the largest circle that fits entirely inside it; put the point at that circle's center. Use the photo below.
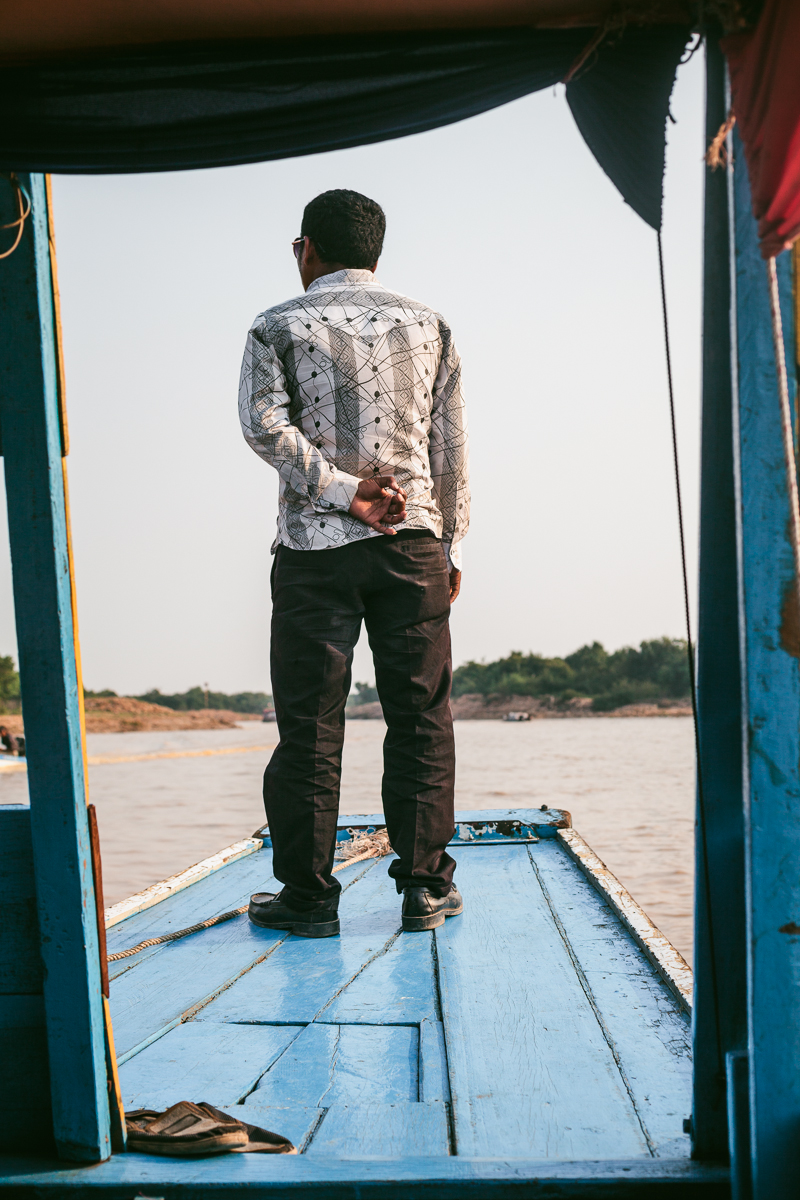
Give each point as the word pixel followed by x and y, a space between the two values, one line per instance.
pixel 345 227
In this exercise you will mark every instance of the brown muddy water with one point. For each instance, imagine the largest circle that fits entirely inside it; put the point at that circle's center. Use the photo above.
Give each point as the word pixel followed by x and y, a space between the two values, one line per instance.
pixel 629 784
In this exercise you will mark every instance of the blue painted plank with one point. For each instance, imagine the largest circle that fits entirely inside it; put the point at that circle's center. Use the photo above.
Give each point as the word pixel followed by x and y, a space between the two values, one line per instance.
pixel 20 957
pixel 295 1123
pixel 375 1062
pixel 38 533
pixel 222 890
pixel 451 1178
pixel 184 976
pixel 303 1075
pixel 433 1079
pixel 304 975
pixel 397 987
pixel 772 715
pixel 531 1073
pixel 227 889
pixel 650 1033
pixel 335 1064
pixel 382 1130
pixel 219 1064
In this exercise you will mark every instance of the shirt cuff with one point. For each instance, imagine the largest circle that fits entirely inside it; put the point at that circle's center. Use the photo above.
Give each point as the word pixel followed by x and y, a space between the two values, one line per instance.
pixel 340 492
pixel 452 554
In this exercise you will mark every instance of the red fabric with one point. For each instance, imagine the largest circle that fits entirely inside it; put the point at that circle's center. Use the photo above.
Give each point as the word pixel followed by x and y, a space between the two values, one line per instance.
pixel 765 86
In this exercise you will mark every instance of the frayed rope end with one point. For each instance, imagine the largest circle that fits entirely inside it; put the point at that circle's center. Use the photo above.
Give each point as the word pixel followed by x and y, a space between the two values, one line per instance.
pixel 717 153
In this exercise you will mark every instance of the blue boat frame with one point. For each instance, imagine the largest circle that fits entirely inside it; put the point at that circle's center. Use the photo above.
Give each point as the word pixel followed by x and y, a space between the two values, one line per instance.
pixel 747 966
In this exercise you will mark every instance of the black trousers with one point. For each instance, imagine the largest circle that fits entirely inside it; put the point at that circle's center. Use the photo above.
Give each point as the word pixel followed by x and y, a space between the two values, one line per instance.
pixel 400 586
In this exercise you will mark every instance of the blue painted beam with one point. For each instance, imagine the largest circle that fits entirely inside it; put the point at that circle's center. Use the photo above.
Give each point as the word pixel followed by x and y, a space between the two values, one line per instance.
pixel 282 1177
pixel 769 630
pixel 720 1015
pixel 37 519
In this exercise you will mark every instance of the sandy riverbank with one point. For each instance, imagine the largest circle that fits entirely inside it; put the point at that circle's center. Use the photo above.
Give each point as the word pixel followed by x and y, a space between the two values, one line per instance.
pixel 474 707
pixel 122 714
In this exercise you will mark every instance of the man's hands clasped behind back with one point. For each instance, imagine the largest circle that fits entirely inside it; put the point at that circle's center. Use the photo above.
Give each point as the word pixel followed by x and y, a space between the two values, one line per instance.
pixel 381 503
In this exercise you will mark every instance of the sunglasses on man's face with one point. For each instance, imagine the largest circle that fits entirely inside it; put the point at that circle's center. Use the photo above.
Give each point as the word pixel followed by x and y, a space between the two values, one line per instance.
pixel 299 243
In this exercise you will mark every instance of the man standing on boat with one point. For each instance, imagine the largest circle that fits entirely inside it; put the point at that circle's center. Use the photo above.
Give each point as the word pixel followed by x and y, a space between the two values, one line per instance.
pixel 353 393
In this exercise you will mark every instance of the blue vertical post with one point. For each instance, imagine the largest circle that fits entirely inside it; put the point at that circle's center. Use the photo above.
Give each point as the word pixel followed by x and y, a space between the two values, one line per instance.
pixel 720 1010
pixel 32 448
pixel 770 633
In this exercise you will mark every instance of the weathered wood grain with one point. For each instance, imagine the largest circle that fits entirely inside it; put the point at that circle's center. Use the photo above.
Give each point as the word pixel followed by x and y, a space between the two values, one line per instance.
pixel 383 1130
pixel 303 1075
pixel 333 1064
pixel 218 892
pixel 292 1122
pixel 397 987
pixel 145 1003
pixel 280 1176
pixel 222 891
pixel 648 1029
pixel 531 1073
pixel 561 1041
pixel 433 1079
pixel 158 892
pixel 216 1063
pixel 771 709
pixel 38 526
pixel 304 975
pixel 671 965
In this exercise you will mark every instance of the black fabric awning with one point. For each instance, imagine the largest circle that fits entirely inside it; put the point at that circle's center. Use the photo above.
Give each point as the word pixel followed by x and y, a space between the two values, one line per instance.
pixel 211 104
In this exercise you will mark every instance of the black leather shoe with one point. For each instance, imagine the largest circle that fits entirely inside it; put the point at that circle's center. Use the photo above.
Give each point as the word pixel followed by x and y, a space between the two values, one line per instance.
pixel 269 911
pixel 423 910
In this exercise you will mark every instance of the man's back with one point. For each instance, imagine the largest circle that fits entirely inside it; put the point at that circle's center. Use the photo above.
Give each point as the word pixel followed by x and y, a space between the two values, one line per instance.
pixel 372 382
pixel 353 394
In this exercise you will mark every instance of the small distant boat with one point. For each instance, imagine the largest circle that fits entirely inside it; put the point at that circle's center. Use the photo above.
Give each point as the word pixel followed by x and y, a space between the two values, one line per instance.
pixel 517 716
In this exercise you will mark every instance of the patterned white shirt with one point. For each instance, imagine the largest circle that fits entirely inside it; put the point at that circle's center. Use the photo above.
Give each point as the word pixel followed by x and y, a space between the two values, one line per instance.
pixel 349 381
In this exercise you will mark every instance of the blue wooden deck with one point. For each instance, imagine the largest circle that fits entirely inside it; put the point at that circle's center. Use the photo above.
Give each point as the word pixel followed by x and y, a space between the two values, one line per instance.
pixel 530 1039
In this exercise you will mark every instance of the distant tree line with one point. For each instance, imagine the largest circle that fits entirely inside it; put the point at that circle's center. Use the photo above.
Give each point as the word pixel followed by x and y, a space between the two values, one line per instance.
pixel 9 686
pixel 365 693
pixel 197 697
pixel 658 670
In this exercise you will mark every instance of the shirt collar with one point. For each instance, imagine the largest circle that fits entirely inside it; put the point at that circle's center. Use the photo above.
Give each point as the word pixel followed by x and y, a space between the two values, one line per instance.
pixel 337 278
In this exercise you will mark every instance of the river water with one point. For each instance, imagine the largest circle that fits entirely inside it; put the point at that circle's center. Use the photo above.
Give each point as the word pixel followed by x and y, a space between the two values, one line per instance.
pixel 628 783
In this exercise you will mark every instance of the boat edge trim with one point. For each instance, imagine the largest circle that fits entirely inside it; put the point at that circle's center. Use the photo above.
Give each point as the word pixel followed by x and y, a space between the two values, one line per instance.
pixel 670 964
pixel 176 883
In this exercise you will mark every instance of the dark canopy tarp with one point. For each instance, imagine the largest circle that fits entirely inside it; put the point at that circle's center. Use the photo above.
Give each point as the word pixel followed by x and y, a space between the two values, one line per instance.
pixel 209 104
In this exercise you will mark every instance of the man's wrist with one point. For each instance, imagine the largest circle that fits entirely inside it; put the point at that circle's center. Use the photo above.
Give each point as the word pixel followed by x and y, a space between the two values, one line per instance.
pixel 341 491
pixel 452 554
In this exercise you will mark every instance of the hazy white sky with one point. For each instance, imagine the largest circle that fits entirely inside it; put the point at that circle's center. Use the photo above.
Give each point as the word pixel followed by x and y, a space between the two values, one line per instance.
pixel 550 282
